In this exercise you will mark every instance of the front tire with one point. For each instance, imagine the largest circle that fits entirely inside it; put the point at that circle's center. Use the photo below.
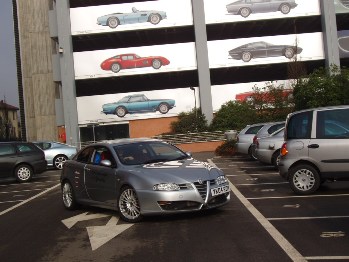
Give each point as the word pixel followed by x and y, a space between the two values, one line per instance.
pixel 163 108
pixel 116 67
pixel 23 173
pixel 58 161
pixel 68 196
pixel 304 179
pixel 156 64
pixel 154 19
pixel 128 205
pixel 113 22
pixel 289 53
pixel 252 153
pixel 245 12
pixel 246 56
pixel 285 9
pixel 120 111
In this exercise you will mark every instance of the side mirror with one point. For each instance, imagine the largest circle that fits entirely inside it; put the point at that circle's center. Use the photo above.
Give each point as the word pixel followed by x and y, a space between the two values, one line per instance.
pixel 105 162
pixel 189 154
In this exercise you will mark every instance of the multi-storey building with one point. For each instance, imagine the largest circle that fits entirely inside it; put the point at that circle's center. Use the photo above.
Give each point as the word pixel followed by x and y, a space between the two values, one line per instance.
pixel 104 69
pixel 9 124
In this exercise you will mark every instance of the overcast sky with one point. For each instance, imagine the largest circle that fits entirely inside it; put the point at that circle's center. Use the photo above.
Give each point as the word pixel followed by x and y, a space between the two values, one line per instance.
pixel 8 74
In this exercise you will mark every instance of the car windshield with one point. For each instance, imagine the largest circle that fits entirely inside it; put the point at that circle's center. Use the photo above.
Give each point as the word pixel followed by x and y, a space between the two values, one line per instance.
pixel 124 99
pixel 148 152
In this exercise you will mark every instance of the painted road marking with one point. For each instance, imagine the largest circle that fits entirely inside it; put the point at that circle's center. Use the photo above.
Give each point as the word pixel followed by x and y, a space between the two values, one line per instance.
pixel 305 218
pixel 292 206
pixel 99 235
pixel 29 199
pixel 11 201
pixel 274 233
pixel 283 197
pixel 261 184
pixel 328 258
pixel 70 222
pixel 333 234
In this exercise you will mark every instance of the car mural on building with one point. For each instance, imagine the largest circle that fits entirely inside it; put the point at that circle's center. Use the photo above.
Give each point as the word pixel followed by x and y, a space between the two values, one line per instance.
pixel 246 7
pixel 128 61
pixel 139 103
pixel 115 19
pixel 263 49
pixel 341 6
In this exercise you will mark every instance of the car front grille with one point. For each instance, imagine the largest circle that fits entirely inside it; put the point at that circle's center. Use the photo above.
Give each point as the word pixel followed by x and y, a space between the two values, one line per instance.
pixel 202 187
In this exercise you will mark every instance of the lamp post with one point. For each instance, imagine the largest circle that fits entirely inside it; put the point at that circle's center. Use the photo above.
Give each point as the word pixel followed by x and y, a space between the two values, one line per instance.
pixel 196 112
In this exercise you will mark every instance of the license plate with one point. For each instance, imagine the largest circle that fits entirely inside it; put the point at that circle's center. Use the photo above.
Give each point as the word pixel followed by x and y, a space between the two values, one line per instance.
pixel 220 190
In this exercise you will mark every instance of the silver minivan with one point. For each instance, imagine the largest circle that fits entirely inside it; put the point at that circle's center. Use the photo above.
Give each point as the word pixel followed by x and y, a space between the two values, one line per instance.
pixel 316 148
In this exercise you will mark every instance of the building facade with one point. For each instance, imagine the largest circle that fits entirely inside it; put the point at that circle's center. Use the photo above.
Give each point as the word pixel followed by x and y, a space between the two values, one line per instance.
pixel 104 69
pixel 9 122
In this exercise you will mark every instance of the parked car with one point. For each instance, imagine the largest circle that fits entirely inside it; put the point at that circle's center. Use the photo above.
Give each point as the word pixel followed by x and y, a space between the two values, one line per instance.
pixel 265 131
pixel 129 61
pixel 341 6
pixel 141 177
pixel 263 49
pixel 246 7
pixel 56 153
pixel 246 136
pixel 268 148
pixel 21 160
pixel 115 19
pixel 315 148
pixel 139 103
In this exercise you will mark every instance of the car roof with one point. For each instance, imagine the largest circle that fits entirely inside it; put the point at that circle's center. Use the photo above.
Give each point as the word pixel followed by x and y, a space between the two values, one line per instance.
pixel 320 109
pixel 126 141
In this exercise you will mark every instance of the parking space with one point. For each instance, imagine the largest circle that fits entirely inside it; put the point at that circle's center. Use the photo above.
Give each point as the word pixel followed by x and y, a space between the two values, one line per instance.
pixel 13 193
pixel 316 225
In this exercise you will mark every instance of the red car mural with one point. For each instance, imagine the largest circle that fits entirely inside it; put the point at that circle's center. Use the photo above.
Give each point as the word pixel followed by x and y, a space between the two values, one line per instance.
pixel 127 61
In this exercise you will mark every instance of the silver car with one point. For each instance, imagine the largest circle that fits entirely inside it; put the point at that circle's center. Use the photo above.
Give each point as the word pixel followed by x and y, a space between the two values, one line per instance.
pixel 56 153
pixel 141 177
pixel 246 7
pixel 316 148
pixel 268 148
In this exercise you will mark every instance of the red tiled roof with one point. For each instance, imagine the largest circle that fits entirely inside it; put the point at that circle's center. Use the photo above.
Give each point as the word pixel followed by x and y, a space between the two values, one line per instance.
pixel 3 105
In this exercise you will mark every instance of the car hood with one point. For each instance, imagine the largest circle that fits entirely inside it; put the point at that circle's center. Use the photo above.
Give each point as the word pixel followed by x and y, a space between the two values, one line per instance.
pixel 182 171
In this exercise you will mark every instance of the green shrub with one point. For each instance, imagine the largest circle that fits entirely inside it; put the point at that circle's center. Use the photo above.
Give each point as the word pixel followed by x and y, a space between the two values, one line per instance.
pixel 226 149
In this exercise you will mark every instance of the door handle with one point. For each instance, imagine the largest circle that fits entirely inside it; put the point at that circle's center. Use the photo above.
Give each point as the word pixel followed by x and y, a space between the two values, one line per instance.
pixel 313 146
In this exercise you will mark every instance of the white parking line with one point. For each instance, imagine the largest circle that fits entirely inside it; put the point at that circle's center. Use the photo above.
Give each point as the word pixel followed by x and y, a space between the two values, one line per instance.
pixel 11 201
pixel 284 197
pixel 29 199
pixel 274 233
pixel 305 218
pixel 260 184
pixel 245 174
pixel 18 191
pixel 327 258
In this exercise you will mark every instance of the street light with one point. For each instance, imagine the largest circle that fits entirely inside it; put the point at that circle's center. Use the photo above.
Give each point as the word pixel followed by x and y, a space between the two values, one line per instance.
pixel 196 112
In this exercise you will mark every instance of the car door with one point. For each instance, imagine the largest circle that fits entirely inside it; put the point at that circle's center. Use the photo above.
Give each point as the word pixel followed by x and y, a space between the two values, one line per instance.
pixel 259 49
pixel 8 159
pixel 260 6
pixel 330 146
pixel 100 180
pixel 138 104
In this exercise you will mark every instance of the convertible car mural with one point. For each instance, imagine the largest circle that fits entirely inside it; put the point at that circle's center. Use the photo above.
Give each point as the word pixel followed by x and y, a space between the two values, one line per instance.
pixel 263 49
pixel 127 61
pixel 138 104
pixel 246 7
pixel 113 20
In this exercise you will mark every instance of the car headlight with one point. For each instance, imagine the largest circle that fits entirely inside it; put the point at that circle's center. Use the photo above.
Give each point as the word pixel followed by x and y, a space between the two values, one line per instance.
pixel 221 180
pixel 166 187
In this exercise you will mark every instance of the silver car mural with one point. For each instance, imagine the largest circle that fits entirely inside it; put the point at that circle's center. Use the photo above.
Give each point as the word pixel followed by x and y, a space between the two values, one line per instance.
pixel 141 177
pixel 114 20
pixel 246 7
pixel 56 153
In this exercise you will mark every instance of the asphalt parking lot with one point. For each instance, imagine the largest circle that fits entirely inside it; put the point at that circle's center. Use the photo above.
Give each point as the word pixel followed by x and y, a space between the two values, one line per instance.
pixel 265 221
pixel 316 226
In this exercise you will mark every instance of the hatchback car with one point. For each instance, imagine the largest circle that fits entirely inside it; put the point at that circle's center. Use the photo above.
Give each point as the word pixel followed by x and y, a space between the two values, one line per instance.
pixel 21 160
pixel 56 153
pixel 247 135
pixel 141 177
pixel 315 148
pixel 268 148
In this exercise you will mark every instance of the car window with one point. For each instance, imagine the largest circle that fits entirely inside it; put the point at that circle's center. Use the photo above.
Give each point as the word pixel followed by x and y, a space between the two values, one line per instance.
pixel 24 148
pixel 253 130
pixel 299 126
pixel 46 145
pixel 102 153
pixel 7 149
pixel 332 124
pixel 85 155
pixel 274 128
pixel 136 99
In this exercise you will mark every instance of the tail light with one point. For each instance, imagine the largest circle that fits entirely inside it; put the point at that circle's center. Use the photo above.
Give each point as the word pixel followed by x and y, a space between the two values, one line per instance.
pixel 284 151
pixel 255 140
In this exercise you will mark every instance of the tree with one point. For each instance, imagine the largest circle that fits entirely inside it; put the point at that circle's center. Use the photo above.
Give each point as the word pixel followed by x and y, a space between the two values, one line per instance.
pixel 193 121
pixel 324 87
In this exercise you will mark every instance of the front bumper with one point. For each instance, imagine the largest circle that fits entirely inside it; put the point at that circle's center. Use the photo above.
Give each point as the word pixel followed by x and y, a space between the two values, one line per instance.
pixel 166 202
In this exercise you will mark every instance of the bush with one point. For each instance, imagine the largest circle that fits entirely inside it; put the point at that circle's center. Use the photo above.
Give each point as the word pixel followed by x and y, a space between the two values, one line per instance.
pixel 193 121
pixel 226 149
